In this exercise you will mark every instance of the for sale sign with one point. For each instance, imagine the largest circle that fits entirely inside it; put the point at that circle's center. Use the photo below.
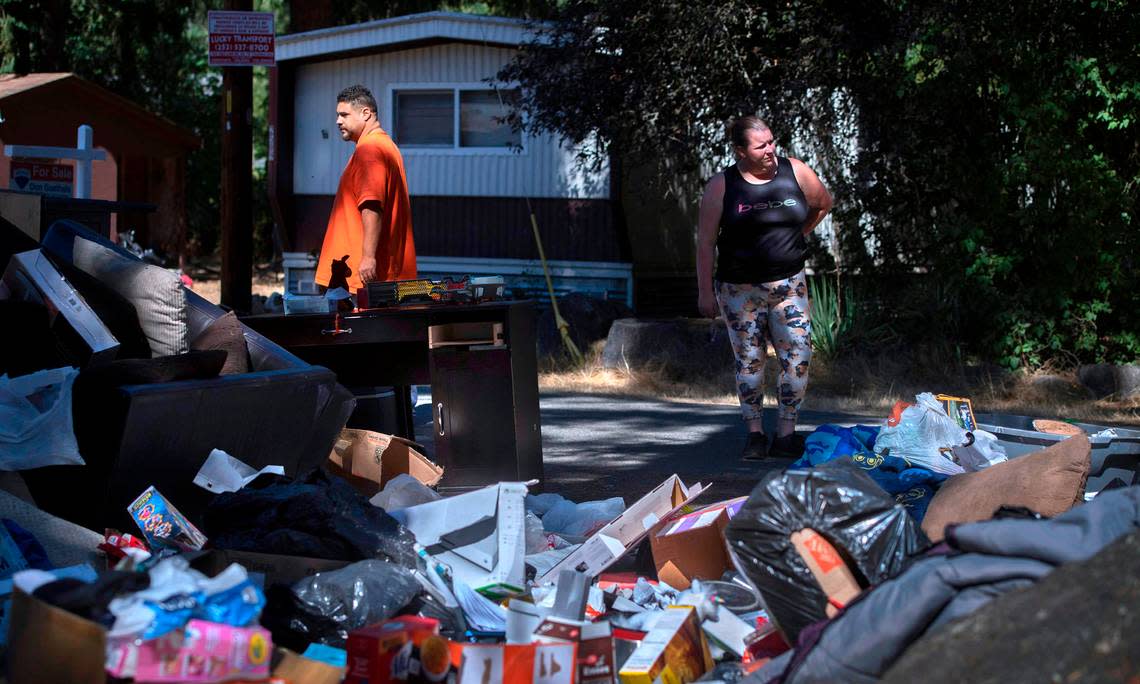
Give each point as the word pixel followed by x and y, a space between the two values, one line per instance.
pixel 241 38
pixel 45 178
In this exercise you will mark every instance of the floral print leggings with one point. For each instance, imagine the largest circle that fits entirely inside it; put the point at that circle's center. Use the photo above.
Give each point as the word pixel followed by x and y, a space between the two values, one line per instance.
pixel 756 313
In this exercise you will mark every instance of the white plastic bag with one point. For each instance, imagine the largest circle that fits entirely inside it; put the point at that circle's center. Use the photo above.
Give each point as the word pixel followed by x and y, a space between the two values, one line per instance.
pixel 403 491
pixel 983 453
pixel 35 420
pixel 925 436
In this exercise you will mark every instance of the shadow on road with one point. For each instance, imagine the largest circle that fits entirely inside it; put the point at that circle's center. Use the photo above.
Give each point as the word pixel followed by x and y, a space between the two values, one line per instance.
pixel 596 446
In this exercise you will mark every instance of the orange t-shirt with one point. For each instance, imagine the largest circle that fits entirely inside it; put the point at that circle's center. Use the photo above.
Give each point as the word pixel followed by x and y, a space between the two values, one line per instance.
pixel 375 172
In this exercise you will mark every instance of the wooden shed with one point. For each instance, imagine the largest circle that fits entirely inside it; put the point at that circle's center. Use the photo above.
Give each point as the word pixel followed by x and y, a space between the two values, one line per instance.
pixel 146 154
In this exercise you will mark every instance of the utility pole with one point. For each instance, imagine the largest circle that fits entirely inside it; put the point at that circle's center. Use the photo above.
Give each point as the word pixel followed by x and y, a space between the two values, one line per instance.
pixel 237 182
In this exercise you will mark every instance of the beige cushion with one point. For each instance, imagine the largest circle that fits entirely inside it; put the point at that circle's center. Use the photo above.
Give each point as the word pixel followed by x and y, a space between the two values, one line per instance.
pixel 155 292
pixel 225 333
pixel 1049 482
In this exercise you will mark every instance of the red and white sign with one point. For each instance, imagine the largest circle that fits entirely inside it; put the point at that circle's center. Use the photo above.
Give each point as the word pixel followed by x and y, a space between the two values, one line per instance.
pixel 43 177
pixel 241 38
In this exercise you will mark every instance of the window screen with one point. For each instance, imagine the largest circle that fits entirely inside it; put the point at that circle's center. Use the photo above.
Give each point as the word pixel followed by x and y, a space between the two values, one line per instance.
pixel 425 117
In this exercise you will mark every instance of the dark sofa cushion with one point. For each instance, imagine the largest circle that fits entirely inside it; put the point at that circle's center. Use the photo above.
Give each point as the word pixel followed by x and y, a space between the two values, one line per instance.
pixel 194 365
pixel 225 333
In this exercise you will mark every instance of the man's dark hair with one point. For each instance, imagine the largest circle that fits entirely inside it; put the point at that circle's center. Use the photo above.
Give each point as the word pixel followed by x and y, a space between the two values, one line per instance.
pixel 359 96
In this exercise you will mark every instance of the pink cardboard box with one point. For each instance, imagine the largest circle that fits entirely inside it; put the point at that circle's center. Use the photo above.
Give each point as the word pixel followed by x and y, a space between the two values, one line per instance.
pixel 203 652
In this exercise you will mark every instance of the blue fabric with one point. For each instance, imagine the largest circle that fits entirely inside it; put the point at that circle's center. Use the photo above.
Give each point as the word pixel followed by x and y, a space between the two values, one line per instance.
pixel 911 486
pixel 20 550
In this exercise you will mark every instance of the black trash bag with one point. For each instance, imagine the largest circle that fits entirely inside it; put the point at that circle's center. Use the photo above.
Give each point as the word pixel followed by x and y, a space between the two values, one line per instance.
pixel 875 535
pixel 315 515
pixel 352 597
pixel 290 622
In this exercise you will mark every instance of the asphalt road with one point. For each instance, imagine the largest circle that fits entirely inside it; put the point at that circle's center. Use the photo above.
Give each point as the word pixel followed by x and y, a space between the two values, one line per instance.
pixel 595 447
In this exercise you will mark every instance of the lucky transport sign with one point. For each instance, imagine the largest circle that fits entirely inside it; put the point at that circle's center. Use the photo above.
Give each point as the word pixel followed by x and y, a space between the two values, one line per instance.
pixel 241 39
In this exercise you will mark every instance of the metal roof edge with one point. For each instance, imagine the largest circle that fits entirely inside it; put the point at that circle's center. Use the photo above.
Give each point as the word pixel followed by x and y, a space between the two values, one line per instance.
pixel 314 43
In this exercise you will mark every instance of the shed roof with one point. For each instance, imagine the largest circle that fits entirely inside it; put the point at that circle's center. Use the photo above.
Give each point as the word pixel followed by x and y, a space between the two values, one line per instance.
pixel 409 29
pixel 46 108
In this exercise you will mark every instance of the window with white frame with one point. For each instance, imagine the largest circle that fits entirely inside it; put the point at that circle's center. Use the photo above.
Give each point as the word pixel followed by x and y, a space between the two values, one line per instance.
pixel 453 118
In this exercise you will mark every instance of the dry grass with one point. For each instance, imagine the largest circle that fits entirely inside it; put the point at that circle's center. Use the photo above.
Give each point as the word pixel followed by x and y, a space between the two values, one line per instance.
pixel 265 283
pixel 862 385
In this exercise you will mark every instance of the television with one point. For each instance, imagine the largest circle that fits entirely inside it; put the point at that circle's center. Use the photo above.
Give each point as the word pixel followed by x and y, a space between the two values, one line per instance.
pixel 80 333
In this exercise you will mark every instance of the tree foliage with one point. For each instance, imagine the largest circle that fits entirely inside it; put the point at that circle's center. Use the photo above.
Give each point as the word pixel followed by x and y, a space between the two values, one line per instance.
pixel 152 52
pixel 990 146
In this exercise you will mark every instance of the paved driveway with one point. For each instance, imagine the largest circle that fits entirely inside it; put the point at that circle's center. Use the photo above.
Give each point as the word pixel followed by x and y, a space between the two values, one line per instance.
pixel 595 447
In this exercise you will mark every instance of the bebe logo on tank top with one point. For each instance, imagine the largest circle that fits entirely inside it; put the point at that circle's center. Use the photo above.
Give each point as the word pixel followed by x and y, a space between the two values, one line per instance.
pixel 742 208
pixel 761 227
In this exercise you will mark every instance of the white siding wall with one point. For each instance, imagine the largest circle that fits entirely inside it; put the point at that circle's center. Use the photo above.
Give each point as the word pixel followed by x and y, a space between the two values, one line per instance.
pixel 542 169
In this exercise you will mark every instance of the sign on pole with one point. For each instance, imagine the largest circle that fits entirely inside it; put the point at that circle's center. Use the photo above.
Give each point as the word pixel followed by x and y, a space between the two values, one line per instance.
pixel 45 178
pixel 241 39
pixel 48 178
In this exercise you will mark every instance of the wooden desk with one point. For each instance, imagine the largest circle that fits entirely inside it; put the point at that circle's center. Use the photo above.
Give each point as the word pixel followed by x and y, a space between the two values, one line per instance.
pixel 484 396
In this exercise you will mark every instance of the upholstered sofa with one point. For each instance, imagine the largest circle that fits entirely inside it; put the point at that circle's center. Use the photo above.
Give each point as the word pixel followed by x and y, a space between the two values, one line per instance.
pixel 280 411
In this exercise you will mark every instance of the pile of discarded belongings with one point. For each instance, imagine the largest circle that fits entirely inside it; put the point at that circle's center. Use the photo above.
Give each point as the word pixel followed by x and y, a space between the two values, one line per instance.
pixel 361 572
pixel 864 561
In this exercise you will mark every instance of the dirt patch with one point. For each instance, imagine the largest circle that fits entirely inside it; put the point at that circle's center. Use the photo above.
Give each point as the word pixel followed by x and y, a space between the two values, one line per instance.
pixel 264 284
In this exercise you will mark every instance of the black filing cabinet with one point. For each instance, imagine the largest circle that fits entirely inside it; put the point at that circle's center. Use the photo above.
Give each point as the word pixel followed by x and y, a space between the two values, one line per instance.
pixel 485 400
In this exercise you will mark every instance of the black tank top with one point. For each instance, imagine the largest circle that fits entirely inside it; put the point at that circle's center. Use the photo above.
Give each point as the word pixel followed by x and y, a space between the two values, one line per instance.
pixel 761 227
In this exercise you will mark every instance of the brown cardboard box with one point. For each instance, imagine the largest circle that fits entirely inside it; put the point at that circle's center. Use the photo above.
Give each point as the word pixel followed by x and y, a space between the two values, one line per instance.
pixel 692 546
pixel 48 645
pixel 594 647
pixel 674 650
pixel 828 568
pixel 297 669
pixel 369 459
pixel 278 569
pixel 614 540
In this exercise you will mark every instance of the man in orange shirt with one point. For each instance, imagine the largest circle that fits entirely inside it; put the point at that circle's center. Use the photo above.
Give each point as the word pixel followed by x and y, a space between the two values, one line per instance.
pixel 371 219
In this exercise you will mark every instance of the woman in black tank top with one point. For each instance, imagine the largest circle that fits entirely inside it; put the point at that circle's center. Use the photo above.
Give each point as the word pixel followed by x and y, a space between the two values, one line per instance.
pixel 755 216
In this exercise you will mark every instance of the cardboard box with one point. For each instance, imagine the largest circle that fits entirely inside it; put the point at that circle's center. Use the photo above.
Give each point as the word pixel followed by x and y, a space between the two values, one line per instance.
pixel 674 651
pixel 162 524
pixel 594 647
pixel 828 568
pixel 614 540
pixel 369 459
pixel 510 663
pixel 381 653
pixel 48 645
pixel 31 277
pixel 297 669
pixel 277 569
pixel 728 631
pixel 479 536
pixel 201 652
pixel 692 546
